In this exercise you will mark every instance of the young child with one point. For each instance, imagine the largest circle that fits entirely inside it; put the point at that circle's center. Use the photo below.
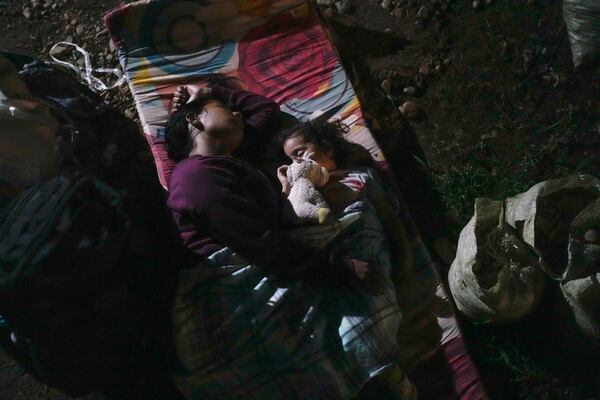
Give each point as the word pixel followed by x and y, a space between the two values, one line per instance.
pixel 351 181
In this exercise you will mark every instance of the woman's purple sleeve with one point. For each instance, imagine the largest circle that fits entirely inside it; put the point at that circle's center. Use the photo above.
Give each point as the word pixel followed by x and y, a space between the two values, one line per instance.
pixel 259 112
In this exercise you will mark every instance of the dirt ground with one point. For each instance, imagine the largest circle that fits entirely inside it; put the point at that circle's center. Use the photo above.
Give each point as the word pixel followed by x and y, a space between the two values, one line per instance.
pixel 500 108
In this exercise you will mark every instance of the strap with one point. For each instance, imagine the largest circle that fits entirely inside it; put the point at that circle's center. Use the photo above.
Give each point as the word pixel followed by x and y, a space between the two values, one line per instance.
pixel 86 73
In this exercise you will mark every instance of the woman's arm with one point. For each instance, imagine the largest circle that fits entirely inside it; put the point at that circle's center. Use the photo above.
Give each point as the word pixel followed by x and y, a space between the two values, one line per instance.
pixel 259 112
pixel 219 203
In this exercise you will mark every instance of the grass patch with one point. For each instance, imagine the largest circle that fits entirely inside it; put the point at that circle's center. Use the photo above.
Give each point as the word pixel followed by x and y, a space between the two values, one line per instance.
pixel 487 175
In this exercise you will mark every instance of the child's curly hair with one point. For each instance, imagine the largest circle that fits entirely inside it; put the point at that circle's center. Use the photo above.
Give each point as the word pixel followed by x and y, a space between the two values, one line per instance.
pixel 325 134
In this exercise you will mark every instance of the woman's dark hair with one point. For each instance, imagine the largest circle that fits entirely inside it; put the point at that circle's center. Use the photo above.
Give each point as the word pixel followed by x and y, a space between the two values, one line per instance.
pixel 177 135
pixel 325 134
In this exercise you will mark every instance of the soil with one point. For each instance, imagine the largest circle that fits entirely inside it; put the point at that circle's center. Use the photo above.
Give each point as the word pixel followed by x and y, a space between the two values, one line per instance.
pixel 497 107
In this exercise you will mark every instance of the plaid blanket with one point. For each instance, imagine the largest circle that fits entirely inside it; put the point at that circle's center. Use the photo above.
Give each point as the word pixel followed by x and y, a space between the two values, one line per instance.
pixel 239 334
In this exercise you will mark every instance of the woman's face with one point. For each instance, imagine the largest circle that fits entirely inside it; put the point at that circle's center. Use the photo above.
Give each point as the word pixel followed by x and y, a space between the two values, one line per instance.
pixel 220 123
pixel 297 147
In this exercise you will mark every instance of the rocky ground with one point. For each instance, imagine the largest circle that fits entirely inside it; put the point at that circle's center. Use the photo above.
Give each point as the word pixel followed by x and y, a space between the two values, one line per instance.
pixel 468 98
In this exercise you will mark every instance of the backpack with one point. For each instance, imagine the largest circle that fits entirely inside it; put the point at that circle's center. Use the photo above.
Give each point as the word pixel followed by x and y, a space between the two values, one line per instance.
pixel 93 135
pixel 88 260
pixel 85 289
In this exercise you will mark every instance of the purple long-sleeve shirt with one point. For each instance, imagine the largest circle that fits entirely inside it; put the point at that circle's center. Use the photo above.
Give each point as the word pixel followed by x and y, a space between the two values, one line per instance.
pixel 224 201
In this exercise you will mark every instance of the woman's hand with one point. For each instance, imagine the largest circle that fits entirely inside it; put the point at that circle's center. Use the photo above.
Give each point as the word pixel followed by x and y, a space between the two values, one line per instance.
pixel 282 176
pixel 185 94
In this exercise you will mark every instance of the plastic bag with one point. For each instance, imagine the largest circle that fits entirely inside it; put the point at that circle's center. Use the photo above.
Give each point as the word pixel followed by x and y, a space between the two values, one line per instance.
pixel 582 18
pixel 495 277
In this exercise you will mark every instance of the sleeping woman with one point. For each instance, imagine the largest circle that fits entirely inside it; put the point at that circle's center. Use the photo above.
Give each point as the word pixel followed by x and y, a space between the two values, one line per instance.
pixel 260 314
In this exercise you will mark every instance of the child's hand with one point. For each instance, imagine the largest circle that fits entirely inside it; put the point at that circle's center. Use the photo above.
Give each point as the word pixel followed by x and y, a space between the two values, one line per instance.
pixel 360 268
pixel 282 176
pixel 373 280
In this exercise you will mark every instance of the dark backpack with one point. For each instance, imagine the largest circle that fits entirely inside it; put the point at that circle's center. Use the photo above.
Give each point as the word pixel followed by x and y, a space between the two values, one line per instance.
pixel 93 135
pixel 88 264
pixel 85 289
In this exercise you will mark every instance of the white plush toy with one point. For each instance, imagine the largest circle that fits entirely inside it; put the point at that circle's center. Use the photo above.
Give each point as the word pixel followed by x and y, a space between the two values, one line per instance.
pixel 309 205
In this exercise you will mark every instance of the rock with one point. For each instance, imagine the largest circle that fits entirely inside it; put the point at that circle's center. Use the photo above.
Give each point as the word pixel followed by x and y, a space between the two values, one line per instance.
pixel 101 32
pixel 386 85
pixel 328 12
pixel 410 90
pixel 476 4
pixel 386 4
pixel 80 28
pixel 325 3
pixel 27 12
pixel 409 109
pixel 342 5
pixel 492 135
pixel 388 30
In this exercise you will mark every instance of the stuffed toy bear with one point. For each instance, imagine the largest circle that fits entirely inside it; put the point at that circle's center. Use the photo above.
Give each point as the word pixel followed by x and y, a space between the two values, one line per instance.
pixel 309 205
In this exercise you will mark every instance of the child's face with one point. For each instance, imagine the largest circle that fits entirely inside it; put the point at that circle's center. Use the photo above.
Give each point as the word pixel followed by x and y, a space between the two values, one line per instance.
pixel 297 147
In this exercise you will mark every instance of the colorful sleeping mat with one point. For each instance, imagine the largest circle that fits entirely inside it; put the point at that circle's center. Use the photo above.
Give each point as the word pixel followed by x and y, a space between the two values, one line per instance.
pixel 280 49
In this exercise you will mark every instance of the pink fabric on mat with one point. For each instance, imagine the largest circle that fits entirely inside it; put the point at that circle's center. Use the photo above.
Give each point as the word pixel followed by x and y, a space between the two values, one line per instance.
pixel 450 374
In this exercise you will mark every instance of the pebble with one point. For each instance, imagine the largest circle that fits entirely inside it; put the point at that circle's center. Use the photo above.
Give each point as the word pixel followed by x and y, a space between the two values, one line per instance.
pixel 26 12
pixel 386 4
pixel 410 90
pixel 342 5
pixel 102 32
pixel 328 12
pixel 386 85
pixel 326 3
pixel 409 109
pixel 492 135
pixel 80 28
pixel 476 4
